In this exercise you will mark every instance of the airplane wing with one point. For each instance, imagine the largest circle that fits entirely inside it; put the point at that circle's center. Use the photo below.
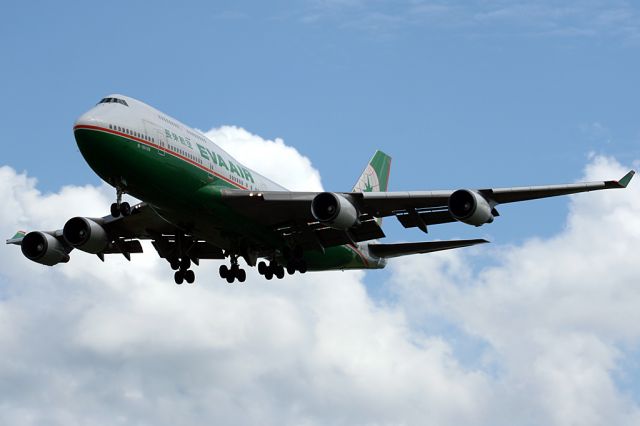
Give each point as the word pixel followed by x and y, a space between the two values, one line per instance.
pixel 403 249
pixel 388 203
pixel 125 232
pixel 291 213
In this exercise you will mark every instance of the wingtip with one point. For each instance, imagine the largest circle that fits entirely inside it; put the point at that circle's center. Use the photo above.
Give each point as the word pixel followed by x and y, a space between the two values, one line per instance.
pixel 626 179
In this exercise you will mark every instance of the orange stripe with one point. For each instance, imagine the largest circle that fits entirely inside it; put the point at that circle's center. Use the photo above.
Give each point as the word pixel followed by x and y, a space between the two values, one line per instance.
pixel 175 154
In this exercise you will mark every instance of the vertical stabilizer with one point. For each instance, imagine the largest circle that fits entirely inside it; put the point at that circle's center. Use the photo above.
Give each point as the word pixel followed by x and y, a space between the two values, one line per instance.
pixel 375 177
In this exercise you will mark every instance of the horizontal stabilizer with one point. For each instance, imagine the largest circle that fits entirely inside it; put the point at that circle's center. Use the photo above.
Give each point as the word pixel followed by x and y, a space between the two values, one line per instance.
pixel 404 249
pixel 17 239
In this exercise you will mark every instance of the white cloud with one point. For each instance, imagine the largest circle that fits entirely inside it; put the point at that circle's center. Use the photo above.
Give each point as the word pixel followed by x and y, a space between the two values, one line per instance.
pixel 557 314
pixel 271 158
pixel 93 343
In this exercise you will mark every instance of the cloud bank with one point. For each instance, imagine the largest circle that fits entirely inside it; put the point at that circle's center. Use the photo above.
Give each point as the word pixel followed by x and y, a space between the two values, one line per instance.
pixel 271 158
pixel 544 335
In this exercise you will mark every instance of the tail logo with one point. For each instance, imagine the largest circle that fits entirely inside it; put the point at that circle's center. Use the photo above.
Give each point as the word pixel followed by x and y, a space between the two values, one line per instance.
pixel 368 181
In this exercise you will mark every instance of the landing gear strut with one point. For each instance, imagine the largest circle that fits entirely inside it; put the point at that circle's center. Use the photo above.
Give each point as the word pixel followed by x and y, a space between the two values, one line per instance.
pixel 181 262
pixel 120 208
pixel 233 272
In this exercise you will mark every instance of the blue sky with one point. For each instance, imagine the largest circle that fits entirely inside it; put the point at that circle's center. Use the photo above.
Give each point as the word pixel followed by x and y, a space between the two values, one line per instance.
pixel 460 94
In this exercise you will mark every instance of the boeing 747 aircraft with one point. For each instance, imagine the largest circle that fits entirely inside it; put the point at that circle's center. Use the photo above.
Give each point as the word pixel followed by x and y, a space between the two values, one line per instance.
pixel 198 203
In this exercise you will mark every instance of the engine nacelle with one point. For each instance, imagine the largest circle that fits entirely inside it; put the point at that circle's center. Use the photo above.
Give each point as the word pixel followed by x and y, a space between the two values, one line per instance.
pixel 86 235
pixel 43 248
pixel 334 210
pixel 470 207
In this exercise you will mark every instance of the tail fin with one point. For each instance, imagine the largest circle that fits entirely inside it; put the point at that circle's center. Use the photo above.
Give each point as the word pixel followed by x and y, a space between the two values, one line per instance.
pixel 375 177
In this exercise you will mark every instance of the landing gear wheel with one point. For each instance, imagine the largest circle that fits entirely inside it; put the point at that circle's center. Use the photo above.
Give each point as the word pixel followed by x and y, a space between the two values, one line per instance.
pixel 224 271
pixel 242 275
pixel 230 278
pixel 115 211
pixel 268 274
pixel 125 209
pixel 291 268
pixel 175 264
pixel 262 268
pixel 190 276
pixel 302 267
pixel 178 277
pixel 279 272
pixel 185 263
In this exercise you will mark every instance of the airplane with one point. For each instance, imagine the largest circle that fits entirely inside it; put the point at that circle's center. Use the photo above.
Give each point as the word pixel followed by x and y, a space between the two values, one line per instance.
pixel 198 202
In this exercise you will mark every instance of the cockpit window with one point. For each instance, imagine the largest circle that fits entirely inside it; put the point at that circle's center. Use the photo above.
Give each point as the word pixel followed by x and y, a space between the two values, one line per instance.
pixel 112 100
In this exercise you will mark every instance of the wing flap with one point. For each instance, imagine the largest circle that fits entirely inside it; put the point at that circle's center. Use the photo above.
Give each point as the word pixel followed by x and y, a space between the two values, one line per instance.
pixel 404 249
pixel 167 247
pixel 317 235
pixel 122 247
pixel 434 217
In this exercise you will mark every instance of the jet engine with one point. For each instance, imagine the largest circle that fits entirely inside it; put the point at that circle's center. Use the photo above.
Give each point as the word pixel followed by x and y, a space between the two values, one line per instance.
pixel 43 248
pixel 470 207
pixel 334 210
pixel 86 235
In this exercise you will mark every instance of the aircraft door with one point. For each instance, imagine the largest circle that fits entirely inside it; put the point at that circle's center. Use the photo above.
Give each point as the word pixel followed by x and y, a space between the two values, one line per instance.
pixel 157 135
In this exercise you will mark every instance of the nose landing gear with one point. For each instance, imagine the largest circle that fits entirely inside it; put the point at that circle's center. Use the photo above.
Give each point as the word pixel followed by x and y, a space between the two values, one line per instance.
pixel 120 208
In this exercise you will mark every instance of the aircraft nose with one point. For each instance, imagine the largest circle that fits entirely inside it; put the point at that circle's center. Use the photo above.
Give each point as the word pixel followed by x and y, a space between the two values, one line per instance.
pixel 89 118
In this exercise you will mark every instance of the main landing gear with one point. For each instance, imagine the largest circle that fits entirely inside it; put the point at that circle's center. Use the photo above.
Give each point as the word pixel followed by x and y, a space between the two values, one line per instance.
pixel 183 273
pixel 120 208
pixel 234 272
pixel 294 265
pixel 294 261
pixel 273 269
